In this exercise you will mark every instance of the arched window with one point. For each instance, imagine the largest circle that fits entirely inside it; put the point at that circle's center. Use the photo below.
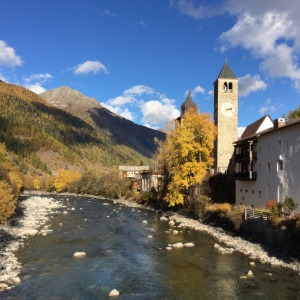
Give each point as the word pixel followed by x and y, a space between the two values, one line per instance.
pixel 225 86
pixel 230 86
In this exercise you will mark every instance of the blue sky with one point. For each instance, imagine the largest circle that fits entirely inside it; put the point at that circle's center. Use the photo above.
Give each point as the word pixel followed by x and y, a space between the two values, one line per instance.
pixel 139 58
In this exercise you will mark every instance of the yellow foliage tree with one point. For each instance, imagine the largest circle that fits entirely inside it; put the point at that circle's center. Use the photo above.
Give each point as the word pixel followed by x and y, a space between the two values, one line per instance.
pixel 7 201
pixel 16 179
pixel 186 154
pixel 38 182
pixel 64 178
pixel 50 182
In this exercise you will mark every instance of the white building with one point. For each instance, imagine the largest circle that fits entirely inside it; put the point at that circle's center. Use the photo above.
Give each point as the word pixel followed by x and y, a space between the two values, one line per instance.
pixel 267 162
pixel 132 172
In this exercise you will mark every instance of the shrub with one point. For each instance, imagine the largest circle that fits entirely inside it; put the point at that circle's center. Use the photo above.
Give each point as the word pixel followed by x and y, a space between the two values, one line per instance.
pixel 201 204
pixel 222 215
pixel 137 198
pixel 128 194
pixel 7 202
pixel 290 204
pixel 221 207
pixel 274 208
pixel 269 204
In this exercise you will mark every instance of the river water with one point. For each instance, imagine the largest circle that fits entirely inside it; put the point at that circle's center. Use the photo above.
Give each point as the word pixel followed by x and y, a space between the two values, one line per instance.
pixel 120 255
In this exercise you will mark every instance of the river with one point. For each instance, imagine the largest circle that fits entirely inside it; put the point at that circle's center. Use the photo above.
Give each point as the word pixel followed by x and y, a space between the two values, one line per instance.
pixel 121 255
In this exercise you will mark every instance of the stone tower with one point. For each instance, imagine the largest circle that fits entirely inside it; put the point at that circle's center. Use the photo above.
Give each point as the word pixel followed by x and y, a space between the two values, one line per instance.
pixel 226 117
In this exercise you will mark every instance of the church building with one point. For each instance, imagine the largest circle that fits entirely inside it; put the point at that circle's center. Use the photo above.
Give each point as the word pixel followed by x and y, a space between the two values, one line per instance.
pixel 225 116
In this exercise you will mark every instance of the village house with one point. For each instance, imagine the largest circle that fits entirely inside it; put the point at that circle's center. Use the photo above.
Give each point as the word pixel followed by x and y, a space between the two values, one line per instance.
pixel 267 162
pixel 152 179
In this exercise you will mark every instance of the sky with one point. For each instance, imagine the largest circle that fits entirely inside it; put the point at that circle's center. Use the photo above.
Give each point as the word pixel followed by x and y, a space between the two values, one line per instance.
pixel 139 58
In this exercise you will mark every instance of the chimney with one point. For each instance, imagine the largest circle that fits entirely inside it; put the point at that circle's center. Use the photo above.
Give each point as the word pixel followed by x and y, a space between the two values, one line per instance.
pixel 279 122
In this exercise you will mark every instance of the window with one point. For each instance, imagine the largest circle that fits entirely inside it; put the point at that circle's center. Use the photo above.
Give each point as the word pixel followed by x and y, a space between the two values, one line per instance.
pixel 279 165
pixel 246 191
pixel 269 147
pixel 225 87
pixel 252 191
pixel 241 190
pixel 230 86
pixel 259 167
pixel 279 145
pixel 268 167
pixel 286 145
pixel 259 150
pixel 267 190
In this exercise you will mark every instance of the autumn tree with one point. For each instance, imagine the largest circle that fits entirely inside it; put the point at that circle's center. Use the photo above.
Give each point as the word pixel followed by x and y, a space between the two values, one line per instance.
pixel 292 114
pixel 8 201
pixel 114 185
pixel 186 155
pixel 64 178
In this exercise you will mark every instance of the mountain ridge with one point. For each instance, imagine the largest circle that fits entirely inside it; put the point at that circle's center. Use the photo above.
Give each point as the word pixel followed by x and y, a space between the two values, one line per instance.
pixel 121 130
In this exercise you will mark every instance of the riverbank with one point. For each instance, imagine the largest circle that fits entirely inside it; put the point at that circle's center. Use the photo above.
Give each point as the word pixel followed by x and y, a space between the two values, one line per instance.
pixel 35 211
pixel 38 208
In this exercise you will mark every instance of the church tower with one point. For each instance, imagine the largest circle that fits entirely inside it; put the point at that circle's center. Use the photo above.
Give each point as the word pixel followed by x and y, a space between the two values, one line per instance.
pixel 226 117
pixel 189 103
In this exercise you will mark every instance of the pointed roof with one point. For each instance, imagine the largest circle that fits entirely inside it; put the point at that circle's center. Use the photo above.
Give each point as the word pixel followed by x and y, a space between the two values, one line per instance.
pixel 189 103
pixel 226 72
pixel 258 126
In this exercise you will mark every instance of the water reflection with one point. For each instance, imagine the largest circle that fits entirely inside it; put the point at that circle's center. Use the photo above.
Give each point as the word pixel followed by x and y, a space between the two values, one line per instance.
pixel 120 255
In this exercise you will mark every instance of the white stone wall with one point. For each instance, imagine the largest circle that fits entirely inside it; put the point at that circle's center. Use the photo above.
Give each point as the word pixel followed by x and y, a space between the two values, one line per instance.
pixel 284 145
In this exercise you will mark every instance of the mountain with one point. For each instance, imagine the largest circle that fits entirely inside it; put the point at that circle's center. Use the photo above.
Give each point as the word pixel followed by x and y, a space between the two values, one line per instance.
pixel 43 138
pixel 119 129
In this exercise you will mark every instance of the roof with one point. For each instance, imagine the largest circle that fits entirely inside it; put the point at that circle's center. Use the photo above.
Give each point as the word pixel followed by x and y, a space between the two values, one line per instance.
pixel 133 168
pixel 254 127
pixel 226 72
pixel 189 103
pixel 255 135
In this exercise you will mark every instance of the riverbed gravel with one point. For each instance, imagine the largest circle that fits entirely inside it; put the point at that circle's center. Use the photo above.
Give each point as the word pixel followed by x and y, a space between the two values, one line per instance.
pixel 37 209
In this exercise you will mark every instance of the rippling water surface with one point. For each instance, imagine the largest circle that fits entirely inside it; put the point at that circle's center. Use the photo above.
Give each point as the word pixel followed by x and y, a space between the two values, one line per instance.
pixel 120 255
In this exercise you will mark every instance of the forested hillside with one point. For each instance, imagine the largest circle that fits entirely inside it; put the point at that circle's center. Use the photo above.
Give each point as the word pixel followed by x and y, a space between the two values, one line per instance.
pixel 49 138
pixel 116 128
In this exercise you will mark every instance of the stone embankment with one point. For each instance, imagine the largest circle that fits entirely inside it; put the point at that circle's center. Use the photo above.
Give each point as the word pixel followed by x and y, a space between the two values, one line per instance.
pixel 229 244
pixel 36 212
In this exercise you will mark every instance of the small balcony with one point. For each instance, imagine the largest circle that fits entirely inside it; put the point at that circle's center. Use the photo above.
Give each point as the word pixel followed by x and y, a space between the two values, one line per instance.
pixel 245 156
pixel 246 175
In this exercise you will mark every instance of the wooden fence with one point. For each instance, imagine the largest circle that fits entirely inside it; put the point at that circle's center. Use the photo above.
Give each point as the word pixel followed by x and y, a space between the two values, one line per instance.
pixel 251 213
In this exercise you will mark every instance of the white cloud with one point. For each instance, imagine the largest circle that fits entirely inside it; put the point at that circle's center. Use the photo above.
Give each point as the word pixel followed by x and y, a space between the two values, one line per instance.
pixel 125 113
pixel 36 88
pixel 198 89
pixel 156 112
pixel 248 84
pixel 8 56
pixel 201 12
pixel 35 81
pixel 3 78
pixel 267 107
pixel 211 92
pixel 268 29
pixel 240 131
pixel 108 13
pixel 120 101
pixel 141 23
pixel 89 67
pixel 138 90
pixel 42 78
